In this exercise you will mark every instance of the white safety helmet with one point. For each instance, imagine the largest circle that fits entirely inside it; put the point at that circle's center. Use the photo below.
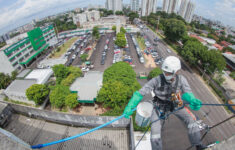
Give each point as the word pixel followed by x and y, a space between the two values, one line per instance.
pixel 171 65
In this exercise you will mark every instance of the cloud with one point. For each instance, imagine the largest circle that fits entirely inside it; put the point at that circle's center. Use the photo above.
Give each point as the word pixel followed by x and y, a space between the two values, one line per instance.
pixel 225 11
pixel 15 13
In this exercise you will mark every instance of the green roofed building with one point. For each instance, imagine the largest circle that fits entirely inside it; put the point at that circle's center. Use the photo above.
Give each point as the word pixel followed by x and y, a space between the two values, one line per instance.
pixel 23 52
pixel 88 86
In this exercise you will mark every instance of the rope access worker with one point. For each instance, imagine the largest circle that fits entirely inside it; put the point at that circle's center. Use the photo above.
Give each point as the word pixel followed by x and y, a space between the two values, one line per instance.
pixel 165 86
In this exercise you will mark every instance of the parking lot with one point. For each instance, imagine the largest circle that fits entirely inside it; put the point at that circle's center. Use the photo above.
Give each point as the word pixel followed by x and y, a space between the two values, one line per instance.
pixel 96 57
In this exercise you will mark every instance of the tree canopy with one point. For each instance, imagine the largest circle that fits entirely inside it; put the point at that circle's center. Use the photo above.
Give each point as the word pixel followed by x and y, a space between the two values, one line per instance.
pixel 58 95
pixel 119 83
pixel 60 72
pixel 119 13
pixel 114 28
pixel 174 29
pixel 132 16
pixel 95 32
pixel 122 30
pixel 71 100
pixel 84 57
pixel 153 73
pixel 5 80
pixel 38 93
pixel 74 72
pixel 120 40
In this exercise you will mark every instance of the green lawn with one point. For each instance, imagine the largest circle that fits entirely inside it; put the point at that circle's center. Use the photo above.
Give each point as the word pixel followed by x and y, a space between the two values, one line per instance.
pixel 64 47
pixel 141 43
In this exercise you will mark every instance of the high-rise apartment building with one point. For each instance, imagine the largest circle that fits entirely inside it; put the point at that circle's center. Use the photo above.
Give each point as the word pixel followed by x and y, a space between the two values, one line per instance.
pixel 114 5
pixel 147 7
pixel 135 4
pixel 170 6
pixel 189 12
pixel 183 7
pixel 165 5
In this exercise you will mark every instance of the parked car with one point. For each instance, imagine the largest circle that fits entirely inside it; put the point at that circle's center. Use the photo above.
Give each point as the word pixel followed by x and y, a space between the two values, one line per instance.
pixel 82 52
pixel 74 56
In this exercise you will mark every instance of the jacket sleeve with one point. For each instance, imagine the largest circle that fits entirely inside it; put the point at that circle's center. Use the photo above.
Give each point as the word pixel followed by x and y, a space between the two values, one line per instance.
pixel 185 88
pixel 148 87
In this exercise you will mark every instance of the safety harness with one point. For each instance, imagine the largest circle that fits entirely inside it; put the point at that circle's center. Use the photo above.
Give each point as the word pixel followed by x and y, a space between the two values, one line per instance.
pixel 171 101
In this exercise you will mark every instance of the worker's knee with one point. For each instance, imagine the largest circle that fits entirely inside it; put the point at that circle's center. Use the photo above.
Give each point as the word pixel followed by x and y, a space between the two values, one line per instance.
pixel 156 143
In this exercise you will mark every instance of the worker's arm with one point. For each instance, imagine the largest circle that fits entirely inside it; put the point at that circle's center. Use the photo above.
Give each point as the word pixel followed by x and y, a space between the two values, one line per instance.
pixel 188 96
pixel 138 96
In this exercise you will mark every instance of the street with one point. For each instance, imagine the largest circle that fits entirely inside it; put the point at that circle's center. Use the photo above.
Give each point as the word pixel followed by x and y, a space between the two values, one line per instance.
pixel 214 114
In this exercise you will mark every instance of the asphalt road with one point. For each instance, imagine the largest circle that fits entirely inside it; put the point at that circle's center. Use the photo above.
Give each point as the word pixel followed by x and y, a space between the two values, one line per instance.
pixel 216 114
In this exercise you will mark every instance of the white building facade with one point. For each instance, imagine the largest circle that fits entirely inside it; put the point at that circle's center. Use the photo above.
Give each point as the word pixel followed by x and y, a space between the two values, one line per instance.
pixel 79 19
pixel 165 5
pixel 148 7
pixel 114 5
pixel 170 6
pixel 189 12
pixel 183 7
pixel 135 5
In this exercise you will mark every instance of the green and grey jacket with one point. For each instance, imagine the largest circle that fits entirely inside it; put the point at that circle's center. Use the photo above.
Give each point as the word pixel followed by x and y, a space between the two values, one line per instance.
pixel 162 89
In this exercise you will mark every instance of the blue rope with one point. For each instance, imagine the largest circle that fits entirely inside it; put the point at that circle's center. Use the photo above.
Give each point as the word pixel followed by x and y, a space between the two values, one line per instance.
pixel 78 135
pixel 106 124
pixel 159 118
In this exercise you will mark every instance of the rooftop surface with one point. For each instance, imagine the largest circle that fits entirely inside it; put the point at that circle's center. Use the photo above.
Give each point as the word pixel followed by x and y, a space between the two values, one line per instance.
pixel 40 75
pixel 92 82
pixel 23 73
pixel 34 131
pixel 19 87
pixel 230 57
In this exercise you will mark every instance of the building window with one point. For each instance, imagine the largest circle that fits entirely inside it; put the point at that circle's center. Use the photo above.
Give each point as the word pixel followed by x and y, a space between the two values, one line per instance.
pixel 30 47
pixel 16 63
pixel 27 55
pixel 21 59
pixel 18 55
pixel 12 59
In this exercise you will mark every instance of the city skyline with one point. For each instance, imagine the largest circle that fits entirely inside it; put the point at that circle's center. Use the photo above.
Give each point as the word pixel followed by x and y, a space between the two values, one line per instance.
pixel 16 13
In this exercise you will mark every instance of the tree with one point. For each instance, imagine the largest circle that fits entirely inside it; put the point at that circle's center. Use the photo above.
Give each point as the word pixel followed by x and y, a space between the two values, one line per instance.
pixel 71 100
pixel 114 28
pixel 95 32
pixel 122 30
pixel 114 95
pixel 120 40
pixel 13 75
pixel 174 29
pixel 2 44
pixel 192 51
pixel 60 72
pixel 58 95
pixel 5 80
pixel 154 73
pixel 232 75
pixel 132 16
pixel 37 92
pixel 119 13
pixel 84 57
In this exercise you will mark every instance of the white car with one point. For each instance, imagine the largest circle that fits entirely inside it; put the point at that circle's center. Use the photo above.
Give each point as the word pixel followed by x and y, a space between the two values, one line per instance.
pixel 168 50
pixel 85 69
pixel 74 56
pixel 82 52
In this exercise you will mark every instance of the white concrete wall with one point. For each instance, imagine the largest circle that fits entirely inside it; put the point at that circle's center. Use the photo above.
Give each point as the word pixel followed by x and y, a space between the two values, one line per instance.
pixel 5 65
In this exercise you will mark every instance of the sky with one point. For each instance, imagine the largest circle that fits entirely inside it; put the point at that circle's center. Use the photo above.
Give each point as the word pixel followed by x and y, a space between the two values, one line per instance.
pixel 15 13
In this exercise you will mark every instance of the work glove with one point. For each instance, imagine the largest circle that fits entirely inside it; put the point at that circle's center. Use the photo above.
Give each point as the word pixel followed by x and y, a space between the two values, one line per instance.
pixel 134 101
pixel 194 104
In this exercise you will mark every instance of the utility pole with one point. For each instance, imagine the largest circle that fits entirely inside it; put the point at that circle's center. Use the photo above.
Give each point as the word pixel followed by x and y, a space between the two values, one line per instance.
pixel 158 22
